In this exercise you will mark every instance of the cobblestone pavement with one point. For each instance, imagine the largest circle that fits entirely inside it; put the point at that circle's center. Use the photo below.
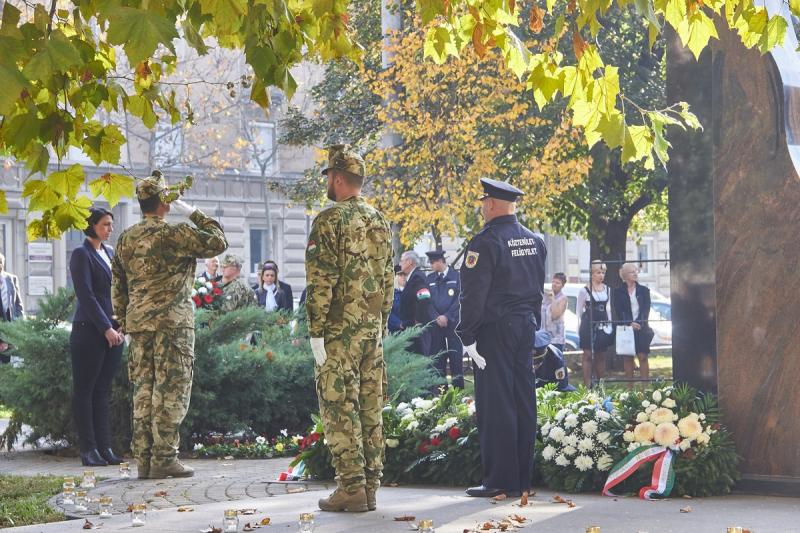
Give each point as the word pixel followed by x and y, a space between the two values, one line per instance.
pixel 214 481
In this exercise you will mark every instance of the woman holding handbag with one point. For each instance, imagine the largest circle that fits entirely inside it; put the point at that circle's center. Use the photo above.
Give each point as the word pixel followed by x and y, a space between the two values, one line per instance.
pixel 596 331
pixel 632 304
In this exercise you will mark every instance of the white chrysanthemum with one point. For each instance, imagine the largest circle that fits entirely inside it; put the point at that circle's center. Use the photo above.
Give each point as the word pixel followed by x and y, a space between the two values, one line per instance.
pixel 656 395
pixel 198 446
pixel 561 414
pixel 585 444
pixel 669 403
pixel 392 443
pixel 202 290
pixel 548 452
pixel 589 427
pixel 260 440
pixel 650 409
pixel 702 416
pixel 194 292
pixel 571 421
pixel 426 405
pixel 690 427
pixel 661 415
pixel 628 436
pixel 571 440
pixel 685 445
pixel 550 395
pixel 437 429
pixel 624 396
pixel 416 401
pixel 641 417
pixel 644 432
pixel 584 463
pixel 561 460
pixel 583 409
pixel 605 462
pixel 632 446
pixel 666 434
pixel 546 429
pixel 209 285
pixel 471 408
pixel 557 434
pixel 668 392
pixel 601 414
pixel 285 432
pixel 604 438
pixel 200 281
pixel 645 403
pixel 408 416
pixel 703 438
pixel 413 425
pixel 569 451
pixel 450 422
pixel 402 406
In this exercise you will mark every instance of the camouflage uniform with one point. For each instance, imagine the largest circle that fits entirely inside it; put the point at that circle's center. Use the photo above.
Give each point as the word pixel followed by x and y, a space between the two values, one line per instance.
pixel 153 272
pixel 236 294
pixel 350 274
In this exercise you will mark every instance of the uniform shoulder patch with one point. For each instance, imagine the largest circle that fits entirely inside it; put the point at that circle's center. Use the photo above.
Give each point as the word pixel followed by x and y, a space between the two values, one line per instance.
pixel 311 246
pixel 471 259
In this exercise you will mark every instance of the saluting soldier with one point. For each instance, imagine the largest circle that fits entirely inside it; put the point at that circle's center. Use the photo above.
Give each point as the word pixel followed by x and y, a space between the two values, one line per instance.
pixel 153 273
pixel 501 298
pixel 445 288
pixel 415 300
pixel 236 294
pixel 350 285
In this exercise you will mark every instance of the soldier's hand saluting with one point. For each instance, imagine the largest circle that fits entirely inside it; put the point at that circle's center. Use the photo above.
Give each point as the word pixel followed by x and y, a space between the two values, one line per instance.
pixel 182 208
pixel 318 349
pixel 477 358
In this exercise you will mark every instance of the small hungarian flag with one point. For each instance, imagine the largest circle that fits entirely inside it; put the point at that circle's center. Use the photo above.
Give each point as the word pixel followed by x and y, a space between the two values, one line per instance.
pixel 423 293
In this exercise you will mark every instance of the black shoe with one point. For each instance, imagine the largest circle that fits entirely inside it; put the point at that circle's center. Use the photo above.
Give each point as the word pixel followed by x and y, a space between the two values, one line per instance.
pixel 110 457
pixel 92 458
pixel 485 492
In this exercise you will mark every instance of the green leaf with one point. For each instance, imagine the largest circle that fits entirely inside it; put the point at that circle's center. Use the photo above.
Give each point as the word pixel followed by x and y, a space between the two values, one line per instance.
pixel 140 106
pixel 193 37
pixel 688 117
pixel 12 82
pixel 73 213
pixel 140 32
pixel 42 196
pixel 794 6
pixel 112 187
pixel 57 55
pixel 439 44
pixel 228 14
pixel 67 182
pixel 695 31
pixel 612 129
pixel 638 143
pixel 774 34
pixel 3 202
pixel 429 9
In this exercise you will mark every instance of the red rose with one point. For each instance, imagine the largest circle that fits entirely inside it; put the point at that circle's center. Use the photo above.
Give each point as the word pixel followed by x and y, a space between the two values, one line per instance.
pixel 197 301
pixel 454 433
pixel 208 298
pixel 423 448
pixel 435 441
pixel 217 291
pixel 314 437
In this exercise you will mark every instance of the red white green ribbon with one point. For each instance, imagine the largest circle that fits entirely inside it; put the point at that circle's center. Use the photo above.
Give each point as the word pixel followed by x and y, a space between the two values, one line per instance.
pixel 663 474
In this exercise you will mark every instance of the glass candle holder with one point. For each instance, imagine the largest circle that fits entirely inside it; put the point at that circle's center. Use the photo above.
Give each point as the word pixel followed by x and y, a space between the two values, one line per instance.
pixel 138 514
pixel 69 482
pixel 80 500
pixel 593 529
pixel 124 470
pixel 306 522
pixel 735 529
pixel 105 506
pixel 69 496
pixel 426 526
pixel 88 479
pixel 230 521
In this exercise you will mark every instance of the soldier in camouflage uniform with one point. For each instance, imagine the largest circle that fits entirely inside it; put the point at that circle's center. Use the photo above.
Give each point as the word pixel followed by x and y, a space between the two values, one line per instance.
pixel 349 297
pixel 236 294
pixel 153 271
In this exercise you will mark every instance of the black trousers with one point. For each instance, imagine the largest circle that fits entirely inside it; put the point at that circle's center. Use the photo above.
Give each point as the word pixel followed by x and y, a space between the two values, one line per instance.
pixel 505 403
pixel 93 367
pixel 445 340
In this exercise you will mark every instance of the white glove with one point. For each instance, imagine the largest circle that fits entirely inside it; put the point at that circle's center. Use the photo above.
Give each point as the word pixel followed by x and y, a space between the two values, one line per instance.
pixel 477 358
pixel 318 348
pixel 182 208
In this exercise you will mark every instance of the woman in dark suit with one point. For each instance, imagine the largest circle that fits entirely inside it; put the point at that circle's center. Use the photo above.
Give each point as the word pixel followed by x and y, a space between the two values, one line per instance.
pixel 270 292
pixel 632 304
pixel 95 343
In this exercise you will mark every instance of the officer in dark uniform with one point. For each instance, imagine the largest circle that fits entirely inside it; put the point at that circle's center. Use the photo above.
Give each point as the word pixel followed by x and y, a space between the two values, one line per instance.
pixel 414 301
pixel 549 365
pixel 501 298
pixel 444 285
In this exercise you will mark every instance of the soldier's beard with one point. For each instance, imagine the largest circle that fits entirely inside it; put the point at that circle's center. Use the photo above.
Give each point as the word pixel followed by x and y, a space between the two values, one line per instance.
pixel 331 193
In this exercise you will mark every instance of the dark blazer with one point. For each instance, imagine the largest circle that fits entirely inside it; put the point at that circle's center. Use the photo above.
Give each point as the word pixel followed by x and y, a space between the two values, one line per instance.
pixel 445 297
pixel 12 286
pixel 415 300
pixel 283 297
pixel 395 324
pixel 622 304
pixel 91 278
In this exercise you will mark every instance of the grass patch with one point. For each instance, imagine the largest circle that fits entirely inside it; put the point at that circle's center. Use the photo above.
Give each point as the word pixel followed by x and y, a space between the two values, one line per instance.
pixel 23 500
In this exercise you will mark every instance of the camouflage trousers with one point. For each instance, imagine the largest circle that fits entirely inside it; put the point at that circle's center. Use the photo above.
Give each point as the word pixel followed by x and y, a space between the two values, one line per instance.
pixel 350 388
pixel 160 366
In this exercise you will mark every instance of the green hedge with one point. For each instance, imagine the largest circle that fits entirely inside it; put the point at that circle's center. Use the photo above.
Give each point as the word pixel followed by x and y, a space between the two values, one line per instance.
pixel 258 387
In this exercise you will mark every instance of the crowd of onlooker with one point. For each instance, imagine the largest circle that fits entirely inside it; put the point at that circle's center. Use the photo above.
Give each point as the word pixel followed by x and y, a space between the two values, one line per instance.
pixel 269 292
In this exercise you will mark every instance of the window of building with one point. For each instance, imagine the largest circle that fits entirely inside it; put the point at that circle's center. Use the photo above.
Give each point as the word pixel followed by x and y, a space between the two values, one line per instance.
pixel 261 148
pixel 168 145
pixel 258 248
pixel 644 252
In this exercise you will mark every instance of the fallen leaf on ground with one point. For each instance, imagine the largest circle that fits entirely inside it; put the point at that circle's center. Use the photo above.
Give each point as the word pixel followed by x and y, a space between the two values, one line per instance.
pixel 211 529
pixel 264 521
pixel 558 499
pixel 295 490
pixel 523 501
pixel 250 527
pixel 518 518
pixel 687 496
pixel 160 493
pixel 687 509
pixel 247 511
pixel 570 504
pixel 89 525
pixel 404 518
pixel 185 509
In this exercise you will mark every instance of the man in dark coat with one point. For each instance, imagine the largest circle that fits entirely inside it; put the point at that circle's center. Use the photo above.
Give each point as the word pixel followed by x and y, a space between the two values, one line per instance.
pixel 415 300
pixel 445 287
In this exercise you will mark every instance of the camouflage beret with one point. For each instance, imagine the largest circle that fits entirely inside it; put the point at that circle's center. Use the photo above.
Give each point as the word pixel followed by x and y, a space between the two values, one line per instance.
pixel 342 157
pixel 150 186
pixel 231 260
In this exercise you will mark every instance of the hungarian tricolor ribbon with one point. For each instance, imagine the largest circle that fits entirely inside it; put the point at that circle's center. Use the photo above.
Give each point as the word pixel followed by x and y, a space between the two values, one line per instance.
pixel 663 474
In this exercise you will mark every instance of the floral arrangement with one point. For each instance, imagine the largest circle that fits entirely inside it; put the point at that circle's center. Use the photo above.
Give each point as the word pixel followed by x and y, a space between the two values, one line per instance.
pixel 678 430
pixel 205 294
pixel 576 446
pixel 283 445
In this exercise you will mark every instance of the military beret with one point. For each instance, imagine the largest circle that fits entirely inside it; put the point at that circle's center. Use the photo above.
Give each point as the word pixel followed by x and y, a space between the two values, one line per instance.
pixel 500 190
pixel 231 260
pixel 150 186
pixel 435 255
pixel 342 157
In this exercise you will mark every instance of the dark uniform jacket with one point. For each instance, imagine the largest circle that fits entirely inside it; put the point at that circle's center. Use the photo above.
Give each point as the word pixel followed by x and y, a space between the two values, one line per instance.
pixel 503 274
pixel 415 300
pixel 445 293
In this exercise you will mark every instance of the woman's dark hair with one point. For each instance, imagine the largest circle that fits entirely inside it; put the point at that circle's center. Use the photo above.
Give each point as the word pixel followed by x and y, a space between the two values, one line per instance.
pixel 96 214
pixel 273 268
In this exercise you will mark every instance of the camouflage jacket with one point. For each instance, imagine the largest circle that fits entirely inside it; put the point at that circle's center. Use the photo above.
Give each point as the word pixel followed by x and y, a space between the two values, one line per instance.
pixel 349 272
pixel 236 294
pixel 153 271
